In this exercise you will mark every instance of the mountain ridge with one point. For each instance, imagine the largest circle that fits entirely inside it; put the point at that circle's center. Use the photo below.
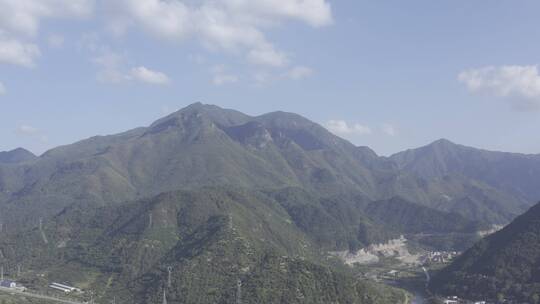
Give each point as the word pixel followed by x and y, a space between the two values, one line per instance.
pixel 274 150
pixel 16 156
pixel 266 197
pixel 502 265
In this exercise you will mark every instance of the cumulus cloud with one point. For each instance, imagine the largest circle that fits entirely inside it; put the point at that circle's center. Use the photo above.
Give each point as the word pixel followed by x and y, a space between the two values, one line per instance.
pixel 314 12
pixel 112 70
pixel 15 52
pixel 20 20
pixel 518 84
pixel 143 74
pixel 389 129
pixel 24 16
pixel 2 89
pixel 235 26
pixel 346 129
pixel 167 19
pixel 341 127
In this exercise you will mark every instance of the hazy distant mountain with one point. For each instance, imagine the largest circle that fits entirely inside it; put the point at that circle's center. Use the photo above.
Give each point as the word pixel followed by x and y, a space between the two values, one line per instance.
pixel 503 265
pixel 479 184
pixel 16 156
pixel 517 174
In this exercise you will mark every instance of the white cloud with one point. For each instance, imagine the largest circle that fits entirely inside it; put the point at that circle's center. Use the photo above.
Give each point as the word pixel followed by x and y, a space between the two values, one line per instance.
pixel 314 12
pixel 299 72
pixel 167 19
pixel 146 75
pixel 220 76
pixel 389 129
pixel 20 21
pixel 235 26
pixel 27 130
pixel 23 17
pixel 112 70
pixel 3 89
pixel 518 84
pixel 346 129
pixel 341 127
pixel 15 52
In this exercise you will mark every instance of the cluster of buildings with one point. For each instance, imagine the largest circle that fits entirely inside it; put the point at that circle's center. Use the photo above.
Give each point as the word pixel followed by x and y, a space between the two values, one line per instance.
pixel 456 300
pixel 438 257
pixel 64 288
pixel 11 285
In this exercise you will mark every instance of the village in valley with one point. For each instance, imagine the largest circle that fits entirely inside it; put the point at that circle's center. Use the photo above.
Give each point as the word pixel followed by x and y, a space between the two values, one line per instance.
pixel 36 286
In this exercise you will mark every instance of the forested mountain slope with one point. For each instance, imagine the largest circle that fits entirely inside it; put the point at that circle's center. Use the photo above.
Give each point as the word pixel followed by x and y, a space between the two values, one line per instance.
pixel 257 199
pixel 213 238
pixel 503 265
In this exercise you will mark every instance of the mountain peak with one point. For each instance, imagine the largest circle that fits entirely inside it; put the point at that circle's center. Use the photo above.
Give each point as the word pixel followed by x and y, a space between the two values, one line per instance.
pixel 442 146
pixel 18 155
pixel 200 111
pixel 197 107
pixel 443 142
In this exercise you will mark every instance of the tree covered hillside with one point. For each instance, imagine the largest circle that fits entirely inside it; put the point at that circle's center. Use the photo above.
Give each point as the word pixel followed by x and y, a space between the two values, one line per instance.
pixel 503 265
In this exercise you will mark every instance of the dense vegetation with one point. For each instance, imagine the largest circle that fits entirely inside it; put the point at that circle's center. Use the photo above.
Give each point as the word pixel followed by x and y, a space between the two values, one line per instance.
pixel 205 145
pixel 224 197
pixel 212 238
pixel 503 265
pixel 16 156
pixel 14 299
pixel 401 215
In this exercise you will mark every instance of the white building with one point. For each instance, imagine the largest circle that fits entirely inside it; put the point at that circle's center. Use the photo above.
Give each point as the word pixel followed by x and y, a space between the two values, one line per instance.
pixel 64 288
pixel 8 284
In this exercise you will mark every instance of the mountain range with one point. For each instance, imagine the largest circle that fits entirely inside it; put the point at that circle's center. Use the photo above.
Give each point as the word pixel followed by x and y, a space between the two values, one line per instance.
pixel 231 200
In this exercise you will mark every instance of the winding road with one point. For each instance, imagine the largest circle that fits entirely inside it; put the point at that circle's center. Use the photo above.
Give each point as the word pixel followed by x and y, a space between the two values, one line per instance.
pixel 36 296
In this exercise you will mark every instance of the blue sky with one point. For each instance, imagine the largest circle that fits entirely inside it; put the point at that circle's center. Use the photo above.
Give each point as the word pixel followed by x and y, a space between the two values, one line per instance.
pixel 391 75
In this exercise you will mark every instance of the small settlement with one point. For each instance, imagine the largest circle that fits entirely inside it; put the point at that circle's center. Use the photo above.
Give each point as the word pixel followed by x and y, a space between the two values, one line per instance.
pixel 64 288
pixel 11 285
